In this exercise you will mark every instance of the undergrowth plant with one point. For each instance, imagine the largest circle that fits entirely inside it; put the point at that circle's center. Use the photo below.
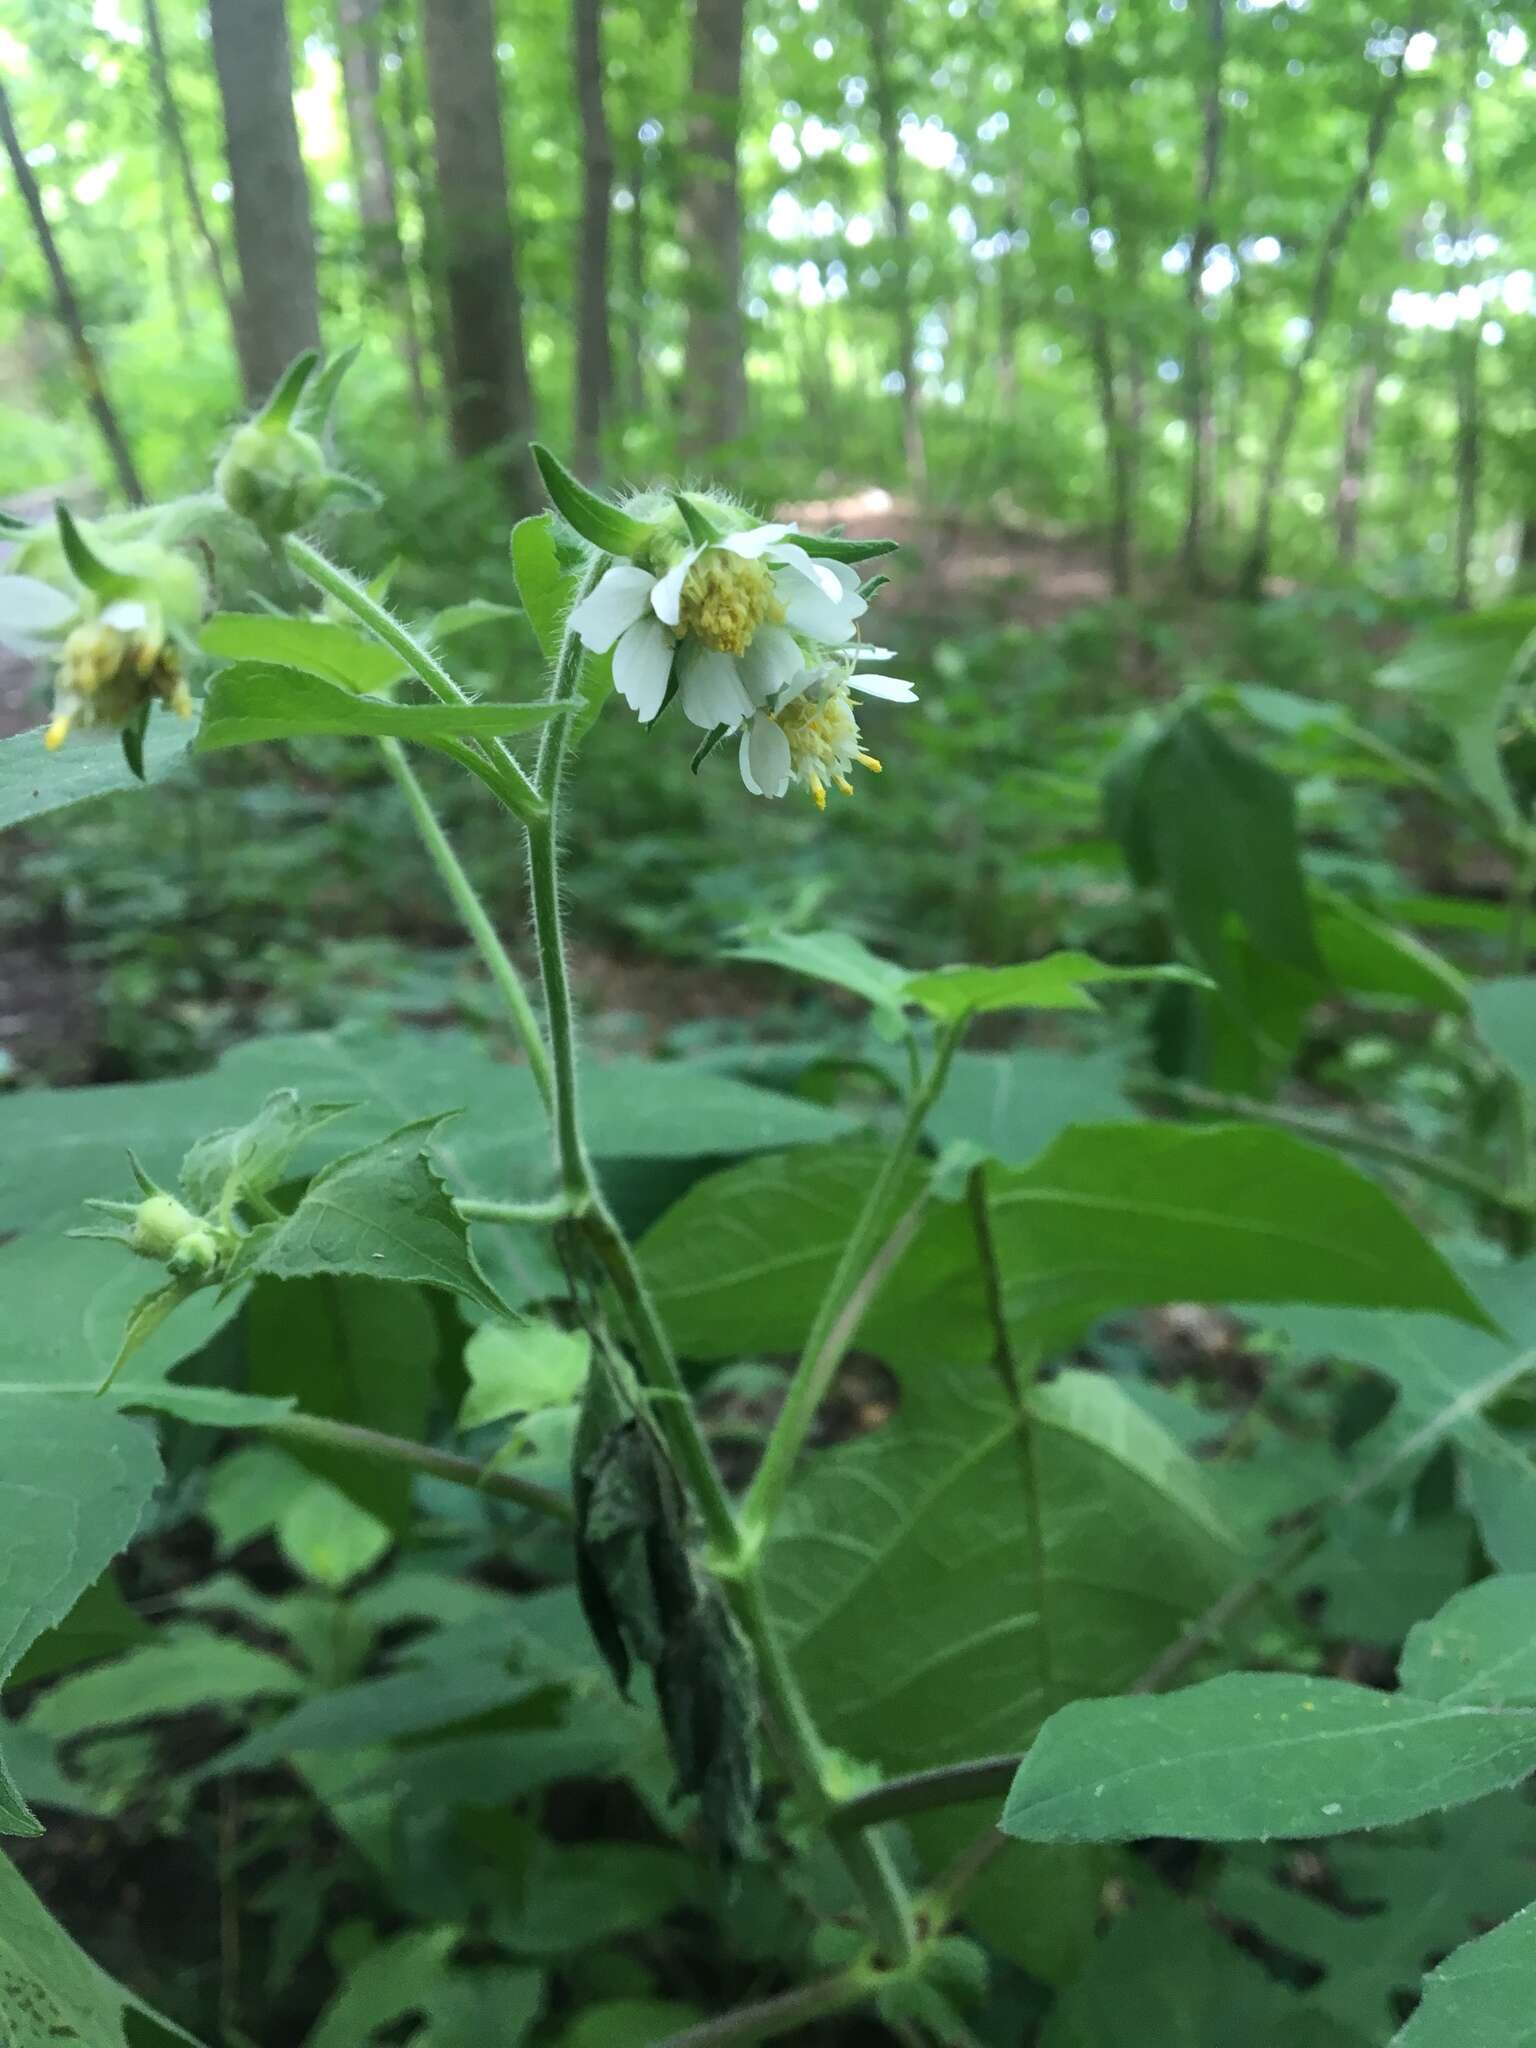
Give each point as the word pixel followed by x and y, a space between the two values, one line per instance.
pixel 675 1493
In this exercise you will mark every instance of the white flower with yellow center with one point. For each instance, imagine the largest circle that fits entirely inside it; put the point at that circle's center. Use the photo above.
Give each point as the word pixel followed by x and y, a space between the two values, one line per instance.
pixel 809 734
pixel 727 614
pixel 112 667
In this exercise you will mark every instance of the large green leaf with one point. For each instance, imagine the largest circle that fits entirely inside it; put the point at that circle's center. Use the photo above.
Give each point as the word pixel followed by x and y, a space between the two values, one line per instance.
pixel 1463 672
pixel 1116 1216
pixel 1060 981
pixel 1505 1015
pixel 354 1350
pixel 547 587
pixel 1388 1904
pixel 75 1477
pixel 34 782
pixel 1480 1649
pixel 1485 1992
pixel 1011 1105
pixel 171 1676
pixel 1112 1216
pixel 837 958
pixel 320 647
pixel 382 1213
pixel 1215 828
pixel 59 1146
pixel 1187 1987
pixel 263 701
pixel 67 1301
pixel 1372 958
pixel 1252 1755
pixel 52 1993
pixel 927 1629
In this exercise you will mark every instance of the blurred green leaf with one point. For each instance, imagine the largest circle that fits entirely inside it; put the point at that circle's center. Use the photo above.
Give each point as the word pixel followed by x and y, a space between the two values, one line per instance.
pixel 255 701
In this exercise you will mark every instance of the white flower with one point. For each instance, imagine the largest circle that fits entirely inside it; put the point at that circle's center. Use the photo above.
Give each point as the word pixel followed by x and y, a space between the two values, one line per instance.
pixel 809 733
pixel 727 615
pixel 32 614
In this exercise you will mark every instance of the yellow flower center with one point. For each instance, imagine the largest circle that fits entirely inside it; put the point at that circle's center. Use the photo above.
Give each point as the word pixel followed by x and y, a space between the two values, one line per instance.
pixel 823 736
pixel 726 599
pixel 106 676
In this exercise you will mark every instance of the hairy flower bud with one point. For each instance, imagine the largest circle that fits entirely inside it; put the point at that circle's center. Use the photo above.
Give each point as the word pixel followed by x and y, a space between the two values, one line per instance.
pixel 274 475
pixel 161 1225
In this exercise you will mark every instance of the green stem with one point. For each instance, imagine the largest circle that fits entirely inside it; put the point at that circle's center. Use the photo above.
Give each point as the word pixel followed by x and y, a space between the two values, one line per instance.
pixel 775 2016
pixel 554 1210
pixel 1344 1138
pixel 867 1862
pixel 516 790
pixel 830 1335
pixel 466 901
pixel 422 1458
pixel 986 1777
pixel 1515 946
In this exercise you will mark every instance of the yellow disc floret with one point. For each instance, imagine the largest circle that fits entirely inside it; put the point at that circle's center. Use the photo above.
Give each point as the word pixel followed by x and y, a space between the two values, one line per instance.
pixel 823 735
pixel 108 673
pixel 725 599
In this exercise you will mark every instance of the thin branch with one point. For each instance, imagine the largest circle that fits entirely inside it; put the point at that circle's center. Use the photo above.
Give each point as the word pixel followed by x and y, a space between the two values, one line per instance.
pixel 947 1785
pixel 775 2016
pixel 423 1458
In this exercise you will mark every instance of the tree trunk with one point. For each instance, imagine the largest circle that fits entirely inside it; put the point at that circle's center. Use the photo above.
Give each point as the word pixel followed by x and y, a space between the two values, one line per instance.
pixel 1466 340
pixel 1118 450
pixel 175 271
pixel 377 205
pixel 491 396
pixel 414 158
pixel 594 355
pixel 1359 432
pixel 176 141
pixel 1256 565
pixel 636 264
pixel 709 229
pixel 888 120
pixel 1198 416
pixel 279 311
pixel 69 311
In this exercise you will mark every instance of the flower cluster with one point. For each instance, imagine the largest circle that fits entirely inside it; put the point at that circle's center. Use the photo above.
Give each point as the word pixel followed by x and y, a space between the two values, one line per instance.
pixel 753 629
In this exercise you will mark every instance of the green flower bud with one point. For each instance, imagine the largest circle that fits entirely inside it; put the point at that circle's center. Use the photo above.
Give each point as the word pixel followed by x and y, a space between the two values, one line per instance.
pixel 273 475
pixel 161 1225
pixel 197 1256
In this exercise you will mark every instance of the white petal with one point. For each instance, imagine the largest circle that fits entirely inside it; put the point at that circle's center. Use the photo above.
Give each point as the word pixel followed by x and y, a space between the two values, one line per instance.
pixel 764 758
pixel 846 575
pixel 816 572
pixel 711 692
pixel 754 542
pixel 30 611
pixel 864 652
pixel 891 688
pixel 667 597
pixel 798 684
pixel 773 657
pixel 128 614
pixel 619 599
pixel 642 662
pixel 811 612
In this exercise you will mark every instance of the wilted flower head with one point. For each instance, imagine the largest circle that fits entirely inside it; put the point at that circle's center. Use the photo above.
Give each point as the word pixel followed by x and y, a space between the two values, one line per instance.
pixel 809 734
pixel 753 628
pixel 107 614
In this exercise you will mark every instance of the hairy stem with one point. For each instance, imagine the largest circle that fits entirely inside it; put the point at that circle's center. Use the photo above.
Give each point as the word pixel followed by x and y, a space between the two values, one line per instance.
pixel 465 899
pixel 422 1458
pixel 830 1333
pixel 554 1210
pixel 866 1861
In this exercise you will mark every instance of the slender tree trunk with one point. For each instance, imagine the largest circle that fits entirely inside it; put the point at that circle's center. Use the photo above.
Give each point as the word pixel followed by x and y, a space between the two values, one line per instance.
pixel 1256 565
pixel 1118 450
pixel 279 312
pixel 69 311
pixel 491 395
pixel 419 183
pixel 637 265
pixel 888 120
pixel 1198 414
pixel 1359 433
pixel 1525 562
pixel 377 204
pixel 594 354
pixel 175 271
pixel 1466 344
pixel 176 141
pixel 715 393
